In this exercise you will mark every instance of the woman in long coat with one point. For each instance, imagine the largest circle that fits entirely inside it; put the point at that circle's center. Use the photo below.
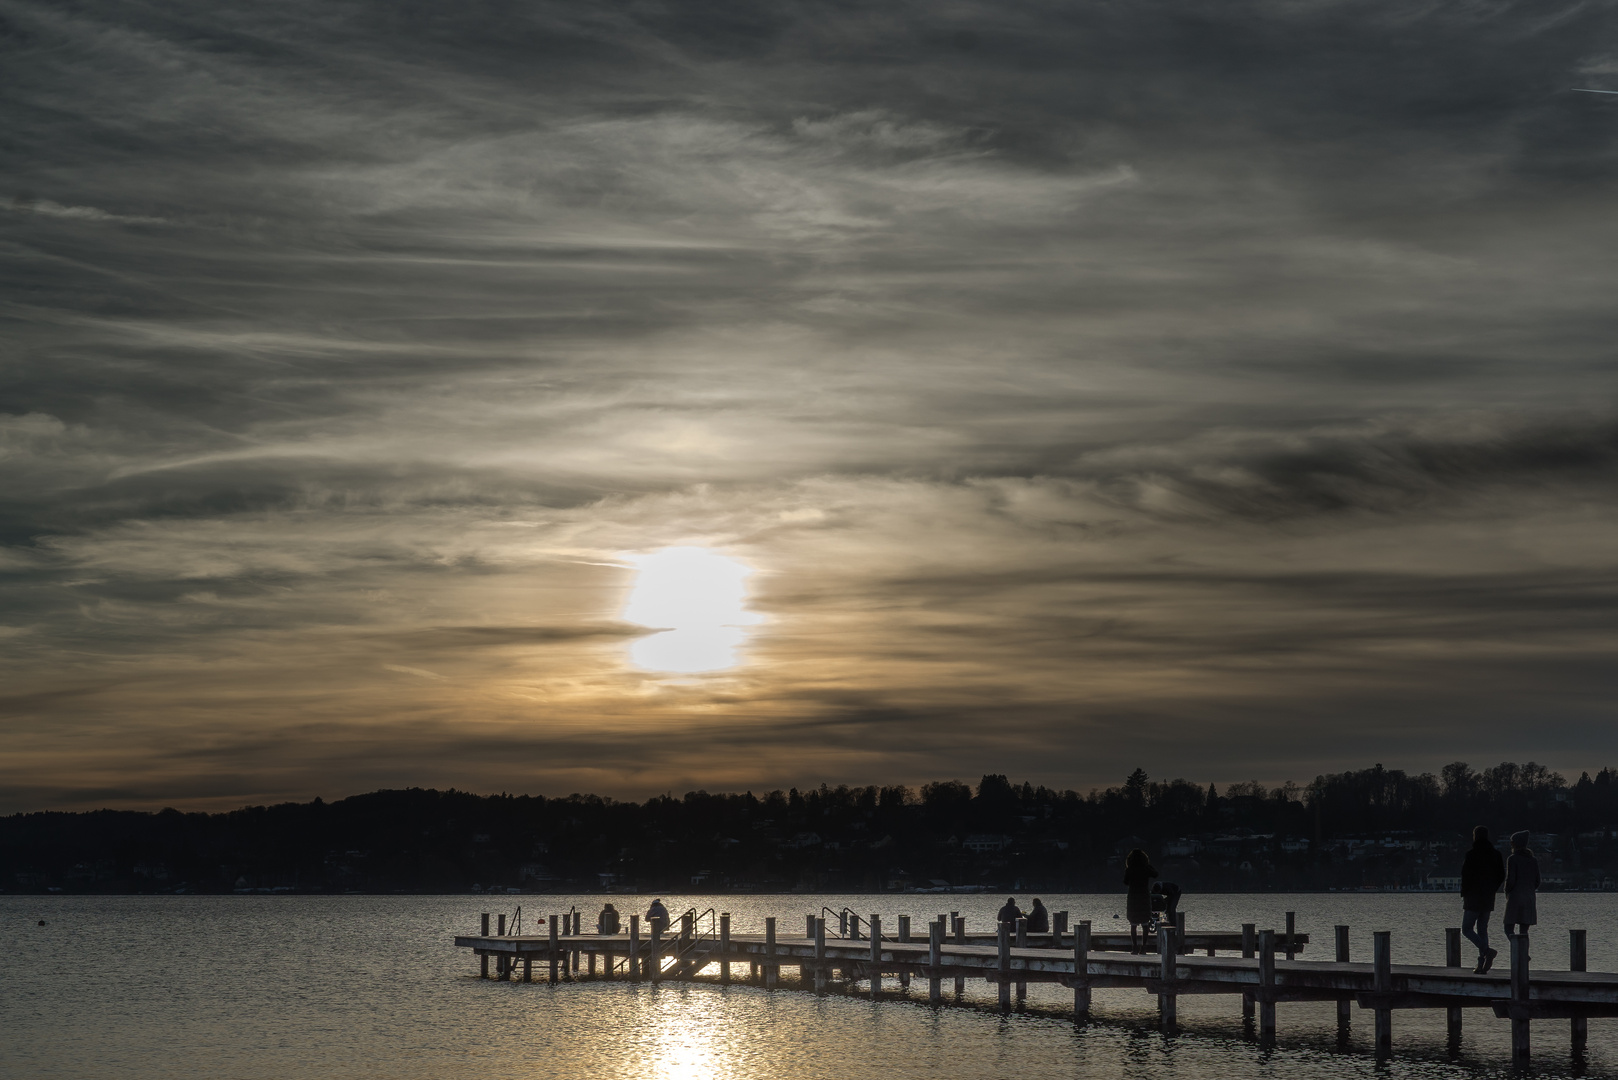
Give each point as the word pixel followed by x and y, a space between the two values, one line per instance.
pixel 1522 880
pixel 1138 875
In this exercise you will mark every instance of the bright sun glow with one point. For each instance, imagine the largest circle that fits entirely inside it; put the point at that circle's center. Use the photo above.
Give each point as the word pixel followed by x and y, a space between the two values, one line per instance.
pixel 697 599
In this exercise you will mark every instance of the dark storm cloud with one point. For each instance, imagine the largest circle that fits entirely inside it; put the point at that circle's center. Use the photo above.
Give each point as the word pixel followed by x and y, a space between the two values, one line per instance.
pixel 1066 370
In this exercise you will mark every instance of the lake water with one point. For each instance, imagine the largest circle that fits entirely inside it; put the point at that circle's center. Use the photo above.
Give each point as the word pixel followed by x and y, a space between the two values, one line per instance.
pixel 262 987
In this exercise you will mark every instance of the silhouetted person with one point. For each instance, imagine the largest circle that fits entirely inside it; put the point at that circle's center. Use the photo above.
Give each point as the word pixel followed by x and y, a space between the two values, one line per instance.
pixel 1481 875
pixel 1138 875
pixel 1010 913
pixel 658 915
pixel 1522 880
pixel 1039 920
pixel 607 921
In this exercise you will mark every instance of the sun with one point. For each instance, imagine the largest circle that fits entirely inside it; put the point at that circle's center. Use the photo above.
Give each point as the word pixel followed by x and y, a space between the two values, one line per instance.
pixel 696 600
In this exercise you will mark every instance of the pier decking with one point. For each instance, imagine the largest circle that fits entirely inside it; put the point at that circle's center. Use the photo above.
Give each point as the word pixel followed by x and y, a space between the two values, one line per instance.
pixel 1263 974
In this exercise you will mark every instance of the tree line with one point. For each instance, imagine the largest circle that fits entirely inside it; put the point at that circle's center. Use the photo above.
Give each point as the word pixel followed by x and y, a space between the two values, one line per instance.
pixel 1374 827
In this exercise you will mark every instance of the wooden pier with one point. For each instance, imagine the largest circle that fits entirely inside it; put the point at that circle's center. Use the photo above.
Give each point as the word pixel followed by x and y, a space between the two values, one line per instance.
pixel 1263 973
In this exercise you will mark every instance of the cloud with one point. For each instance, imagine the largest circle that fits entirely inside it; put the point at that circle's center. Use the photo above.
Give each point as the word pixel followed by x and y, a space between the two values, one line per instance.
pixel 1241 376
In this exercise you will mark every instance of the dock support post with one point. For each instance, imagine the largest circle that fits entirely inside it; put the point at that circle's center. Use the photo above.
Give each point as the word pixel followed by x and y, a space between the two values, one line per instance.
pixel 1022 943
pixel 682 948
pixel 554 952
pixel 770 966
pixel 1382 983
pixel 654 957
pixel 876 955
pixel 1081 971
pixel 502 963
pixel 1266 985
pixel 634 949
pixel 724 948
pixel 935 958
pixel 1249 950
pixel 819 957
pixel 1058 929
pixel 1292 929
pixel 842 923
pixel 1166 1002
pixel 959 922
pixel 483 961
pixel 1519 996
pixel 1345 1005
pixel 528 969
pixel 578 917
pixel 1179 934
pixel 1004 941
pixel 1576 962
pixel 904 936
pixel 1452 958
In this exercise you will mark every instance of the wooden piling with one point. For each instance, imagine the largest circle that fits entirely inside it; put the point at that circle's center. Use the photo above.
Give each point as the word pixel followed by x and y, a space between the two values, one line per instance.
pixel 1519 996
pixel 771 968
pixel 635 972
pixel 724 947
pixel 1452 958
pixel 1345 1005
pixel 1058 929
pixel 959 922
pixel 1249 950
pixel 935 958
pixel 1022 943
pixel 554 952
pixel 1382 983
pixel 502 966
pixel 1004 983
pixel 876 955
pixel 820 956
pixel 1292 930
pixel 1081 971
pixel 483 961
pixel 1266 985
pixel 904 936
pixel 654 956
pixel 527 969
pixel 1167 955
pixel 1576 962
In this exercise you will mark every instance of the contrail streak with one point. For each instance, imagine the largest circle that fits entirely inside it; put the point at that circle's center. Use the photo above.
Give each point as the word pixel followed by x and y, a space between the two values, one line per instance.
pixel 1582 90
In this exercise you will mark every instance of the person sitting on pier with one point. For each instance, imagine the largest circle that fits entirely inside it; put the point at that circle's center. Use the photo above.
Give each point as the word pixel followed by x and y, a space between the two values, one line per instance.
pixel 1039 920
pixel 607 921
pixel 1138 875
pixel 658 915
pixel 1481 875
pixel 1522 880
pixel 1010 913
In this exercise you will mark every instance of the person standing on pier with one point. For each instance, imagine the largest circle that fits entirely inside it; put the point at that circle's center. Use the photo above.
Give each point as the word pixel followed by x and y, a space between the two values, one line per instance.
pixel 1138 875
pixel 1039 920
pixel 1481 876
pixel 1522 881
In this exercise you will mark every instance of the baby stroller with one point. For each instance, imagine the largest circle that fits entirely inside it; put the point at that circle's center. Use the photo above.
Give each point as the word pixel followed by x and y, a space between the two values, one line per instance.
pixel 1165 902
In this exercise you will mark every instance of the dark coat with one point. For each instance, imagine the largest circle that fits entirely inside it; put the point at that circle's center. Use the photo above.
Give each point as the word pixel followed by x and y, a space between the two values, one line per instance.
pixel 1522 879
pixel 1009 913
pixel 1138 905
pixel 1481 876
pixel 1039 920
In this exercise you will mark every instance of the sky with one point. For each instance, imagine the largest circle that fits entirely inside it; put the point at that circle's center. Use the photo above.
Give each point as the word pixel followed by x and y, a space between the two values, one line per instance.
pixel 1058 388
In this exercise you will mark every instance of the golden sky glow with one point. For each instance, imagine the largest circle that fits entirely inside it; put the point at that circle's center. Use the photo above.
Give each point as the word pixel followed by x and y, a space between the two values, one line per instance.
pixel 629 400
